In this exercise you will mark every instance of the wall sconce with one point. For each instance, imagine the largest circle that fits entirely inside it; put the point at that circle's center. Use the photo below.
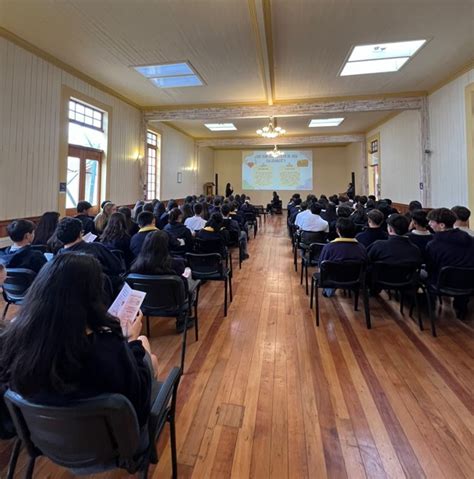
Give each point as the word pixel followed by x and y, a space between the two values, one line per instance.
pixel 180 177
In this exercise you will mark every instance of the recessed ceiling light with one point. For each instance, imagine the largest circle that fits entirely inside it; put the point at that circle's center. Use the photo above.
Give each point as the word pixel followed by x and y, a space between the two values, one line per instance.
pixel 170 75
pixel 321 122
pixel 220 126
pixel 380 58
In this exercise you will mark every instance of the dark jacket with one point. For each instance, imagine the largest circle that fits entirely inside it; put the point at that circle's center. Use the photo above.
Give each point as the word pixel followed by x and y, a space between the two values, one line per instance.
pixel 123 245
pixel 88 225
pixel 397 249
pixel 25 257
pixel 449 248
pixel 112 365
pixel 110 263
pixel 137 239
pixel 343 249
pixel 371 235
pixel 222 236
pixel 421 241
pixel 179 231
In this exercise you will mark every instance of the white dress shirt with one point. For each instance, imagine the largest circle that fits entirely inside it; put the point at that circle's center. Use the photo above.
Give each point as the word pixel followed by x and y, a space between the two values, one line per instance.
pixel 195 223
pixel 311 222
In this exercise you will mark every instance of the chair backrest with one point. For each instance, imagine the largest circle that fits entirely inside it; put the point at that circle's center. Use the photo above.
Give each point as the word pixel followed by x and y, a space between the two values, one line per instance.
pixel 209 264
pixel 17 283
pixel 394 275
pixel 341 274
pixel 102 430
pixel 250 216
pixel 315 250
pixel 205 246
pixel 118 253
pixel 308 237
pixel 164 292
pixel 456 280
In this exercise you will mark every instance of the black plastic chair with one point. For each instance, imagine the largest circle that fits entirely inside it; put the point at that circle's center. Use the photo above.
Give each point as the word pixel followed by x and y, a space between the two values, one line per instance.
pixel 42 248
pixel 235 242
pixel 208 246
pixel 347 275
pixel 310 257
pixel 251 219
pixel 7 431
pixel 211 267
pixel 166 298
pixel 16 286
pixel 118 253
pixel 454 282
pixel 401 277
pixel 96 434
pixel 302 240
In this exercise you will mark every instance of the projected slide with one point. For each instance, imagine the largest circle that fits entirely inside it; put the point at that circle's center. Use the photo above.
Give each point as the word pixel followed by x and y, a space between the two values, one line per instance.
pixel 291 171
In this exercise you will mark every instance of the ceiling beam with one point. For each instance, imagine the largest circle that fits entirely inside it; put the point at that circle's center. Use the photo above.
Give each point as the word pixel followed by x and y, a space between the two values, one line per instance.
pixel 318 107
pixel 284 140
pixel 260 16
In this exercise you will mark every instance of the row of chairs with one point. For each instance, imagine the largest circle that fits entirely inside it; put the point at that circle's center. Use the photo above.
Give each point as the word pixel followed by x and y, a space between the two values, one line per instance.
pixel 401 278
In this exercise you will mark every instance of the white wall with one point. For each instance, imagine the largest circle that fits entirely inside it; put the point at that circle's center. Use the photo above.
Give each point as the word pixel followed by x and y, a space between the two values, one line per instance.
pixel 205 168
pixel 448 161
pixel 400 157
pixel 30 102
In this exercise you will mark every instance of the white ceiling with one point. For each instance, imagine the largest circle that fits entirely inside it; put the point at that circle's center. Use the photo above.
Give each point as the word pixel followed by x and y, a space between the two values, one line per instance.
pixel 294 125
pixel 311 39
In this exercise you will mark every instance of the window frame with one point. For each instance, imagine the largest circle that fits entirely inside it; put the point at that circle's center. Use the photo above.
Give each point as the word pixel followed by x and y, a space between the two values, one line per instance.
pixel 152 145
pixel 85 106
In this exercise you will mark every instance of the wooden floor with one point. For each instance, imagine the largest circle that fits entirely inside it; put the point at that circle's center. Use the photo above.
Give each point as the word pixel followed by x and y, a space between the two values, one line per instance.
pixel 266 394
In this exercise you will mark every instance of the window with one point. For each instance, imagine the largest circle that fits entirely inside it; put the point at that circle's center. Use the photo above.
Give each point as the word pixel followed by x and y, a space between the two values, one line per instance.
pixel 152 163
pixel 85 115
pixel 83 176
pixel 374 146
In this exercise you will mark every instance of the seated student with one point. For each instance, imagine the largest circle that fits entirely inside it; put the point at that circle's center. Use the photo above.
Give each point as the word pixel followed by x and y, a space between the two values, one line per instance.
pixel 419 234
pixel 310 220
pixel 450 247
pixel 300 214
pixel 214 230
pixel 196 222
pixel 20 254
pixel 397 248
pixel 132 227
pixel 359 216
pixel 146 222
pixel 275 204
pixel 374 231
pixel 83 209
pixel 343 248
pixel 69 232
pixel 178 232
pixel 46 228
pixel 160 214
pixel 294 210
pixel 344 211
pixel 115 236
pixel 233 227
pixel 462 219
pixel 64 345
pixel 155 259
pixel 187 210
pixel 413 206
pixel 100 221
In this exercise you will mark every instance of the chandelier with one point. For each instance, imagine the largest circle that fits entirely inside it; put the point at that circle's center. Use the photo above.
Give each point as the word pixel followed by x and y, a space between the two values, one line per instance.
pixel 275 153
pixel 271 131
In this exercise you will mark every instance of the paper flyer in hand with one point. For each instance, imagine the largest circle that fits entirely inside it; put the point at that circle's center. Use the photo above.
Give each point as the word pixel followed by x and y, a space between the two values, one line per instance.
pixel 127 304
pixel 89 237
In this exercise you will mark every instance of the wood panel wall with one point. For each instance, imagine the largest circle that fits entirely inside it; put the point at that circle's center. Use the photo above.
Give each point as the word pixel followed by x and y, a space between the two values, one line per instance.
pixel 30 104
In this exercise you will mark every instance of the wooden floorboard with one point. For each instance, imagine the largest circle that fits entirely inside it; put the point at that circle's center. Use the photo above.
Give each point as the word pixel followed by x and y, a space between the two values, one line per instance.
pixel 267 394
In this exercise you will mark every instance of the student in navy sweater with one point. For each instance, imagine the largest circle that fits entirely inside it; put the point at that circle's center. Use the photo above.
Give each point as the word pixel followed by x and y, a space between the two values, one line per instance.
pixel 397 248
pixel 375 230
pixel 116 237
pixel 20 254
pixel 88 354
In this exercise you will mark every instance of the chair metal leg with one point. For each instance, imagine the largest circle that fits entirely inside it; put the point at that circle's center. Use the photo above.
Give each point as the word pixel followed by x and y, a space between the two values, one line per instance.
pixel 230 289
pixel 144 469
pixel 431 312
pixel 295 258
pixel 148 326
pixel 196 320
pixel 225 296
pixel 317 303
pixel 185 335
pixel 367 308
pixel 312 294
pixel 174 458
pixel 306 278
pixel 5 310
pixel 302 267
pixel 418 311
pixel 356 300
pixel 14 459
pixel 30 468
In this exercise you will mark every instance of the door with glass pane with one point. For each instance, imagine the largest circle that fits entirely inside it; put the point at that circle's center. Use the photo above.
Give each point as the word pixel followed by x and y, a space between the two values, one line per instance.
pixel 83 177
